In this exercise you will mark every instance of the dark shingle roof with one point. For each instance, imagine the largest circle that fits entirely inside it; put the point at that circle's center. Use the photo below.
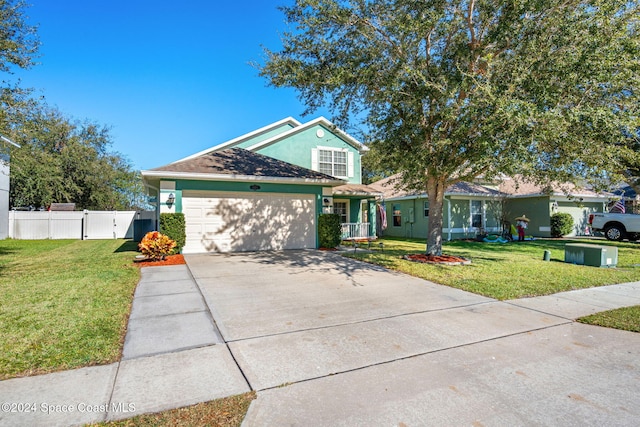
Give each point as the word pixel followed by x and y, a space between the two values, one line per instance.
pixel 238 161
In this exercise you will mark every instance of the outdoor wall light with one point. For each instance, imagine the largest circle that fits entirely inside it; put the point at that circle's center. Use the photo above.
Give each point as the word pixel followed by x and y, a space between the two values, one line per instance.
pixel 171 199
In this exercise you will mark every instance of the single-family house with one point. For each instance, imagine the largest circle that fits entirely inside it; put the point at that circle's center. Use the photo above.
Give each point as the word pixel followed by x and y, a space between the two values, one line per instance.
pixel 539 202
pixel 5 180
pixel 486 206
pixel 469 209
pixel 266 189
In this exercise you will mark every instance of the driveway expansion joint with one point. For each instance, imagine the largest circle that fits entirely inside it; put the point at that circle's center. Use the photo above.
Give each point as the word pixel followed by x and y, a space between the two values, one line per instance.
pixel 358 322
pixel 515 304
pixel 413 356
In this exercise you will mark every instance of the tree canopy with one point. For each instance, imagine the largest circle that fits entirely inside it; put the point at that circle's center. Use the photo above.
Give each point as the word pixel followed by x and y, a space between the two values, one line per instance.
pixel 18 49
pixel 18 40
pixel 62 160
pixel 450 90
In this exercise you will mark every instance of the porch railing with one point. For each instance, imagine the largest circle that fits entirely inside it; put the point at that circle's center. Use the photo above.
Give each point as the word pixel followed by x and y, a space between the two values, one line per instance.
pixel 355 230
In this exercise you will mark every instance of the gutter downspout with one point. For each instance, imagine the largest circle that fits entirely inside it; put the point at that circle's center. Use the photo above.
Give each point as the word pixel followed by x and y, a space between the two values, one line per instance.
pixel 414 216
pixel 448 219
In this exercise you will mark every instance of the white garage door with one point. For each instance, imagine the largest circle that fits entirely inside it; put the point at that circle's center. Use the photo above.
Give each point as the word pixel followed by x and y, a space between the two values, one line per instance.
pixel 228 222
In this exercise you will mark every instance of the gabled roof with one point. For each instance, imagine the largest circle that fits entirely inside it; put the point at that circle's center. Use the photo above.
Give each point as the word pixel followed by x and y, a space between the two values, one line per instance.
pixel 517 186
pixel 388 188
pixel 295 128
pixel 240 164
pixel 247 136
pixel 319 121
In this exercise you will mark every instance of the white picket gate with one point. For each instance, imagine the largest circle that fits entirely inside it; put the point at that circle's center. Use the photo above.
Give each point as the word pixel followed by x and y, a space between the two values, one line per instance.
pixel 86 225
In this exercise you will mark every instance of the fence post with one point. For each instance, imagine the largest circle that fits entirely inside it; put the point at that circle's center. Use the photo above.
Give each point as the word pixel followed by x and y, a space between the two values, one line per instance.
pixel 85 225
pixel 49 225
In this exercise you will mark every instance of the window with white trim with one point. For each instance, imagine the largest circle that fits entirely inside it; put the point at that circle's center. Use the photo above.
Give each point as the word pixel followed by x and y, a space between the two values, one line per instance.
pixel 332 162
pixel 340 208
pixel 426 209
pixel 397 215
pixel 476 213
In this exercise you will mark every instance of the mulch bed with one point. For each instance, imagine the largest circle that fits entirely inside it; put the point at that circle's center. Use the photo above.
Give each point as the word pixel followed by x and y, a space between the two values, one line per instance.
pixel 169 260
pixel 438 259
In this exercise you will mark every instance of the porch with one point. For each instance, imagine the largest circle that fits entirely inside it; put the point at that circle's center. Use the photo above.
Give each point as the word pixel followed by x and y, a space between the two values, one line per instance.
pixel 357 231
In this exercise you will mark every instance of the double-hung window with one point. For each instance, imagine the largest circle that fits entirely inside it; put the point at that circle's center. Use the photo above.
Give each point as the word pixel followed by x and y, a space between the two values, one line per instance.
pixel 397 215
pixel 476 213
pixel 340 208
pixel 332 162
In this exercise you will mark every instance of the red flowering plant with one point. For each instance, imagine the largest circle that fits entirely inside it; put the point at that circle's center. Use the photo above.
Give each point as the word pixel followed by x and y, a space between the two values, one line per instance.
pixel 156 246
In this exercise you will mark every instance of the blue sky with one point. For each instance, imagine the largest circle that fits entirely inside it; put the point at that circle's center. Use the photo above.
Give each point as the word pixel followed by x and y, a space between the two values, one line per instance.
pixel 170 78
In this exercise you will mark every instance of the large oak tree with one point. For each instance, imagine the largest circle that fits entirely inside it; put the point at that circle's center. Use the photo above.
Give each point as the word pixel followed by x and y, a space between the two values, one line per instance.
pixel 450 90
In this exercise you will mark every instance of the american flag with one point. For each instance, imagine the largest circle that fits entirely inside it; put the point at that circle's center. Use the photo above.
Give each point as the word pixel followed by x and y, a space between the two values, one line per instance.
pixel 618 206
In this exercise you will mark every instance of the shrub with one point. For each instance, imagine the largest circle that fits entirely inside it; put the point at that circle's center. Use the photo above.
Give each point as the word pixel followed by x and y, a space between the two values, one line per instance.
pixel 156 246
pixel 173 225
pixel 329 230
pixel 561 224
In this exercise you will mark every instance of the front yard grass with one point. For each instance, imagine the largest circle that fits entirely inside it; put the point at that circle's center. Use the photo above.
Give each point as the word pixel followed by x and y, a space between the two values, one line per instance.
pixel 510 270
pixel 225 412
pixel 626 318
pixel 63 303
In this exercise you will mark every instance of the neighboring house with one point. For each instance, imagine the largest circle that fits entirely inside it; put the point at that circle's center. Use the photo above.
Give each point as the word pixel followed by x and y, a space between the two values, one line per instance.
pixel 539 203
pixel 483 207
pixel 4 185
pixel 265 190
pixel 469 208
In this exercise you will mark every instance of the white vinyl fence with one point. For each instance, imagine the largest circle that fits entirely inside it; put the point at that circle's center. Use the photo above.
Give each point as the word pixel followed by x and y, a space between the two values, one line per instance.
pixel 85 225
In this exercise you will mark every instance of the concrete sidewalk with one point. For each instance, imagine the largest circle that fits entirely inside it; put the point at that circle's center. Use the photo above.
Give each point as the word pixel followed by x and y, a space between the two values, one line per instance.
pixel 583 302
pixel 354 344
pixel 173 356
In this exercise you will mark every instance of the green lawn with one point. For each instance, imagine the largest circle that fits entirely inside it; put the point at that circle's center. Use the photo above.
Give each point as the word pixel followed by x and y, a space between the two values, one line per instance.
pixel 626 318
pixel 509 270
pixel 63 303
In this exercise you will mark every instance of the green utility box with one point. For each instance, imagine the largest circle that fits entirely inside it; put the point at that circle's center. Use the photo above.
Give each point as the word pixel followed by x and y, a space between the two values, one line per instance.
pixel 593 255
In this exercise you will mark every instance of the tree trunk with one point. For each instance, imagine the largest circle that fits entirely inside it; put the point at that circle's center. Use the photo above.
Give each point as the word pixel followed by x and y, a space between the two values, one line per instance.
pixel 435 194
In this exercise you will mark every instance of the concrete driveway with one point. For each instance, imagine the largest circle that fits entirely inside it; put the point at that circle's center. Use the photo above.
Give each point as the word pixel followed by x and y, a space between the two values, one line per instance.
pixel 327 340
